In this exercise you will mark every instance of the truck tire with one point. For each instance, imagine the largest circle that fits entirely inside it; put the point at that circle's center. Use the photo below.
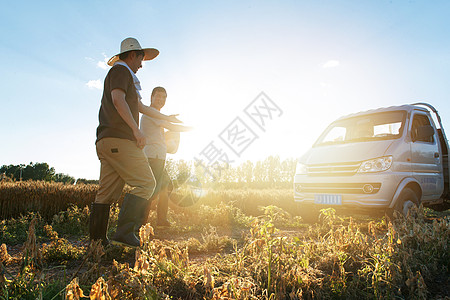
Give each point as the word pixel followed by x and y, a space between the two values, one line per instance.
pixel 407 200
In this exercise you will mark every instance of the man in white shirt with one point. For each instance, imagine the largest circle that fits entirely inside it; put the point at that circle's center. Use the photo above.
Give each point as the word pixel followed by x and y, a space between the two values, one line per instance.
pixel 156 150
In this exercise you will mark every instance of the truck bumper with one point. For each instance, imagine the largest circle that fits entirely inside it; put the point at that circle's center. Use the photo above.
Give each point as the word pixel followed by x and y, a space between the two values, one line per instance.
pixel 365 191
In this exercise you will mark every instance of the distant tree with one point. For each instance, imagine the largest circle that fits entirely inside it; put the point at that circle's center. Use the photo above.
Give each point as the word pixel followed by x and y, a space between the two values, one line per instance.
pixel 227 173
pixel 272 169
pixel 12 171
pixel 183 171
pixel 86 181
pixel 171 167
pixel 259 172
pixel 5 178
pixel 245 171
pixel 288 169
pixel 32 171
pixel 202 174
pixel 38 171
pixel 64 178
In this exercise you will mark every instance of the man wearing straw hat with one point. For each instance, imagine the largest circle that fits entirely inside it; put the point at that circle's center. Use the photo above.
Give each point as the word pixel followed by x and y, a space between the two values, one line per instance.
pixel 119 147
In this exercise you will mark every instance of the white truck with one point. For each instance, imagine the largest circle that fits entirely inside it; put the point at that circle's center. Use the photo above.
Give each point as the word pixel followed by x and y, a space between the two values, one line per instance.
pixel 377 161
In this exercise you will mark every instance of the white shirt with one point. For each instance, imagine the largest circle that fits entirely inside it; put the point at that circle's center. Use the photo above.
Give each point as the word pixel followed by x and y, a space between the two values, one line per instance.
pixel 154 132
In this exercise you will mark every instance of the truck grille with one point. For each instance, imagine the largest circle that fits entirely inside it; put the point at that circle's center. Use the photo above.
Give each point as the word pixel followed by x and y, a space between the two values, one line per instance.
pixel 345 169
pixel 338 188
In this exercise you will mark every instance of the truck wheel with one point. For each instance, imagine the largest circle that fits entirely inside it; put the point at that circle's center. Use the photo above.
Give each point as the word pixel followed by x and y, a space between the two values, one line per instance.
pixel 407 200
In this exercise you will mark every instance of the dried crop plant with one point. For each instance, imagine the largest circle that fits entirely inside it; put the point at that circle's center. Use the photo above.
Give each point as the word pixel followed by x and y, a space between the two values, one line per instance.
pixel 32 255
pixel 73 291
pixel 99 290
pixel 93 259
pixel 4 256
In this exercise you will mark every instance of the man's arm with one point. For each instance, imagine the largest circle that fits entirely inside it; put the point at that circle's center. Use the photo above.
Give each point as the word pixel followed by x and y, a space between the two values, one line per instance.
pixel 146 110
pixel 176 127
pixel 118 99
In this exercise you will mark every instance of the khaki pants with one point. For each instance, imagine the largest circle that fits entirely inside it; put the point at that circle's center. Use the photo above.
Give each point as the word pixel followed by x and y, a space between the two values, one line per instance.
pixel 122 162
pixel 162 181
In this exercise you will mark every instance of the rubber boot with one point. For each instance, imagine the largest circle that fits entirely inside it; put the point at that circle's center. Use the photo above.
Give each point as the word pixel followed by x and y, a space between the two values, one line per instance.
pixel 143 218
pixel 146 212
pixel 130 218
pixel 98 222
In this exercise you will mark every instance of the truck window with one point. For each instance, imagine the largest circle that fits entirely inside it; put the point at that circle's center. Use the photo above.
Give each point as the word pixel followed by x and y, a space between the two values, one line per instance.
pixel 336 134
pixel 377 126
pixel 418 121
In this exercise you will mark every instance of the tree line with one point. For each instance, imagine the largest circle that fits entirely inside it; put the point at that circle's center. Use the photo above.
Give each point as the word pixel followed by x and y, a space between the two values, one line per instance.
pixel 34 171
pixel 271 172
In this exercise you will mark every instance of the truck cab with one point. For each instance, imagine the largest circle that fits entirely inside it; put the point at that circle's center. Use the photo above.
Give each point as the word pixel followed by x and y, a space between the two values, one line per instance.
pixel 377 161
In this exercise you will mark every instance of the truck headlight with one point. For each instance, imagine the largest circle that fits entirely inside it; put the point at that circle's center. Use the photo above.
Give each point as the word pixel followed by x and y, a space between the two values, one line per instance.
pixel 300 169
pixel 376 165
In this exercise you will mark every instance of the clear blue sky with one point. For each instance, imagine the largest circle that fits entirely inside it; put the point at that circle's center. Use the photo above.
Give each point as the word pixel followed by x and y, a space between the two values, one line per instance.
pixel 317 60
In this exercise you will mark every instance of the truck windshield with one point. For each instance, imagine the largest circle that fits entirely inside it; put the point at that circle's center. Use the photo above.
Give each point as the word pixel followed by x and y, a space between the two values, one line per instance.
pixel 370 127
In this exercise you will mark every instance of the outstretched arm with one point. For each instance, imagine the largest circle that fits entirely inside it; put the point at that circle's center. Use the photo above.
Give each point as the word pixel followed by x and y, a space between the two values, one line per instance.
pixel 176 127
pixel 146 110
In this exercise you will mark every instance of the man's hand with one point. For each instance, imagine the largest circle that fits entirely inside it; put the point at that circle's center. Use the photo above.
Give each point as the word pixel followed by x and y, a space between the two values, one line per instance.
pixel 141 141
pixel 153 113
pixel 174 119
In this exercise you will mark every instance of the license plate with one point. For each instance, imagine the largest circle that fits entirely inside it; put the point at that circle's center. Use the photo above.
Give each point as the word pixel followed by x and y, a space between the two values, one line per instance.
pixel 328 199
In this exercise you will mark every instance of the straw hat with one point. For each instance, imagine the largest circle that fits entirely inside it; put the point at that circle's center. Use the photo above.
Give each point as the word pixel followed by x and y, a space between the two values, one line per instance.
pixel 130 44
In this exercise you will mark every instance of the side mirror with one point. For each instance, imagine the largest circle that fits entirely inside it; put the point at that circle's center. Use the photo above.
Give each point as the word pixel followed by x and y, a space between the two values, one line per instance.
pixel 423 133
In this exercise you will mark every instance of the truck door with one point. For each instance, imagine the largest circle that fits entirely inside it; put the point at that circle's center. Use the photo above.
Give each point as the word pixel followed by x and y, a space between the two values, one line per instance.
pixel 426 160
